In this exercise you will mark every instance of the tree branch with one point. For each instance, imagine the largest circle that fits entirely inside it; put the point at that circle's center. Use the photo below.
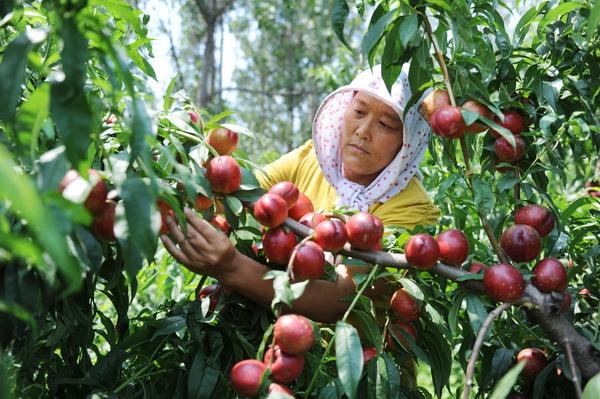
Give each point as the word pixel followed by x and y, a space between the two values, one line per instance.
pixel 477 347
pixel 544 309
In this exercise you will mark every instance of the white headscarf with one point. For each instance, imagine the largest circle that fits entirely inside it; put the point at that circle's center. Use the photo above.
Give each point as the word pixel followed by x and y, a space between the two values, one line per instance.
pixel 327 135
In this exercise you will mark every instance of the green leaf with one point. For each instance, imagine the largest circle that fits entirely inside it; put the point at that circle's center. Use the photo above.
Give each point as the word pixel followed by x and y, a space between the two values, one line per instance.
pixel 439 354
pixel 375 33
pixel 525 21
pixel 349 357
pixel 476 312
pixel 453 314
pixel 12 75
pixel 565 215
pixel 506 383
pixel 558 11
pixel 412 288
pixel 592 388
pixel 408 29
pixel 31 116
pixel 139 200
pixel 339 14
pixel 501 361
pixel 169 325
pixel 484 197
pixel 234 204
pixel 507 181
pixel 469 117
pixel 368 325
pixel 20 313
pixel 140 127
pixel 594 19
pixel 69 106
pixel 23 198
pixel 202 378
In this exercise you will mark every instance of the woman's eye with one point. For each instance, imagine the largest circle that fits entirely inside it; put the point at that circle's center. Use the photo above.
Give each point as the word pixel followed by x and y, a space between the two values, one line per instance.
pixel 383 124
pixel 359 112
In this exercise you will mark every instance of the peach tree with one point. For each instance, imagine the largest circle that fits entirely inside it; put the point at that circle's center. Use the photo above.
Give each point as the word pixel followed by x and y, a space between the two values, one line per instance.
pixel 92 165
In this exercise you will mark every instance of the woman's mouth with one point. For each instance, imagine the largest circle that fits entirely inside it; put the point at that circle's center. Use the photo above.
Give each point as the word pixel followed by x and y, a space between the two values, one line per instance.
pixel 358 149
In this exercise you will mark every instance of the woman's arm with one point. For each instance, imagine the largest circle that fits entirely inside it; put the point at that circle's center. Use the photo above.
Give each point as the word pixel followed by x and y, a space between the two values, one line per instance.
pixel 206 251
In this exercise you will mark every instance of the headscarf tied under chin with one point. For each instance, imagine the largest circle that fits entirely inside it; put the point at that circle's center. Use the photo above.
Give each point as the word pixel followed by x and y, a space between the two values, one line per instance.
pixel 327 135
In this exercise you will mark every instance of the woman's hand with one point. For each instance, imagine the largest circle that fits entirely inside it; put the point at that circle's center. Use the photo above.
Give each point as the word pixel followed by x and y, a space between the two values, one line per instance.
pixel 203 250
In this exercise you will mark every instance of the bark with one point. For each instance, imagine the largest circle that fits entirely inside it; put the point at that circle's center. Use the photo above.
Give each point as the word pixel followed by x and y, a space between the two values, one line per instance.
pixel 211 12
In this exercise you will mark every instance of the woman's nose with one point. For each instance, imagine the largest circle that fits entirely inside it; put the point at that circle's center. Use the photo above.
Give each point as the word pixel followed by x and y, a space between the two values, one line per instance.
pixel 363 130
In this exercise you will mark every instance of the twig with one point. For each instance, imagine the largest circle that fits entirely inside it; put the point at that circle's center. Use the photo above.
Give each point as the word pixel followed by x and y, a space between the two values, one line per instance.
pixel 362 289
pixel 517 188
pixel 478 342
pixel 573 368
pixel 440 58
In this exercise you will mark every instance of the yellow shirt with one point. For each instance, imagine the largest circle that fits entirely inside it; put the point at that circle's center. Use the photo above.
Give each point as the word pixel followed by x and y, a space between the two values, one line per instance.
pixel 408 208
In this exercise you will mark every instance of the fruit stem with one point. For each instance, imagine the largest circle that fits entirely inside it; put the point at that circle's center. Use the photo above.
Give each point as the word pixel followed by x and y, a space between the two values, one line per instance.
pixel 361 290
pixel 440 58
pixel 290 269
pixel 465 152
pixel 517 188
pixel 478 342
pixel 574 375
pixel 492 237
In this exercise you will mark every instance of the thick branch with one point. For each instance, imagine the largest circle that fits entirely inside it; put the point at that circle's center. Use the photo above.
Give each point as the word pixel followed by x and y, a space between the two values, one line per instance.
pixel 544 308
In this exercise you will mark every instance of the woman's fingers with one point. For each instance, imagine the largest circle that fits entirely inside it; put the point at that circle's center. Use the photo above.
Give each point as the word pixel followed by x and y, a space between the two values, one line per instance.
pixel 179 238
pixel 208 232
pixel 196 239
pixel 174 250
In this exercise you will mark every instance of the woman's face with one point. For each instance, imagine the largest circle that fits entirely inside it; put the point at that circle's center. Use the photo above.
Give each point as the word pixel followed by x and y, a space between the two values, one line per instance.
pixel 371 138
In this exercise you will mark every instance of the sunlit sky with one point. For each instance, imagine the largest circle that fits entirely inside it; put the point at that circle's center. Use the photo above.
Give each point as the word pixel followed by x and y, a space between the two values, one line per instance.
pixel 161 11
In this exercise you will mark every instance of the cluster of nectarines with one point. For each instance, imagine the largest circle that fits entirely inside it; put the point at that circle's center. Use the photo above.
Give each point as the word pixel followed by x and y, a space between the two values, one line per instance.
pixel 293 335
pixel 363 231
pixel 522 243
pixel 447 121
pixel 423 251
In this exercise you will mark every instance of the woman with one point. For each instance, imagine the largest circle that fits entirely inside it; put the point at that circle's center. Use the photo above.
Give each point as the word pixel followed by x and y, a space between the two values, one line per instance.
pixel 363 155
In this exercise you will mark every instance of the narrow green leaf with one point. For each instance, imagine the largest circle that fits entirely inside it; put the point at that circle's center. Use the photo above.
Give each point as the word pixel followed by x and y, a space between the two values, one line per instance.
pixel 453 314
pixel 594 19
pixel 484 197
pixel 412 288
pixel 476 312
pixel 234 204
pixel 349 357
pixel 521 28
pixel 469 117
pixel 375 33
pixel 408 29
pixel 392 374
pixel 507 181
pixel 339 14
pixel 12 75
pixel 139 200
pixel 30 118
pixel 170 325
pixel 560 10
pixel 506 383
pixel 69 106
pixel 202 378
